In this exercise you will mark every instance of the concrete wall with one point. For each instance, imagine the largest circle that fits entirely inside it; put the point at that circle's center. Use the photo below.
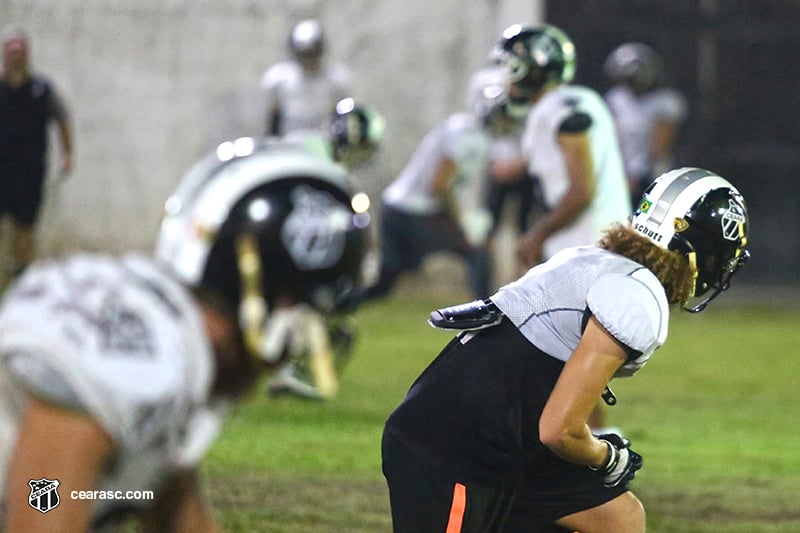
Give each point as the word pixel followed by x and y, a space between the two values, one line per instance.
pixel 154 84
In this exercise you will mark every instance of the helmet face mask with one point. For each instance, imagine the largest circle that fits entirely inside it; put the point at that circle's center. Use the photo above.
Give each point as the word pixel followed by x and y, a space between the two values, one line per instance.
pixel 701 216
pixel 535 56
pixel 492 108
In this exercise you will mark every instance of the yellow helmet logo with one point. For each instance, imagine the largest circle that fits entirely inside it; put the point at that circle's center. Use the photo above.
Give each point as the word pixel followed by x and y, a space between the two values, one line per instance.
pixel 681 225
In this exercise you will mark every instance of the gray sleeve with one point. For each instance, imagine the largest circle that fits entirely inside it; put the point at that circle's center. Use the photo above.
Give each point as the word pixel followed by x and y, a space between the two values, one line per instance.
pixel 42 380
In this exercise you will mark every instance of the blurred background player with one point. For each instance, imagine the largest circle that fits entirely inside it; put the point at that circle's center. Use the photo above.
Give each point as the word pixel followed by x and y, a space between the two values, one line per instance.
pixel 353 136
pixel 570 143
pixel 648 115
pixel 435 204
pixel 29 102
pixel 507 182
pixel 117 372
pixel 302 92
pixel 493 435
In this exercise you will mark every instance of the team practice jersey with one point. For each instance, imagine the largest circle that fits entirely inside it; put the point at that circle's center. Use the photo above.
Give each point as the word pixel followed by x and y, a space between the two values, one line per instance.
pixel 610 202
pixel 549 304
pixel 306 101
pixel 497 380
pixel 461 140
pixel 122 342
pixel 636 118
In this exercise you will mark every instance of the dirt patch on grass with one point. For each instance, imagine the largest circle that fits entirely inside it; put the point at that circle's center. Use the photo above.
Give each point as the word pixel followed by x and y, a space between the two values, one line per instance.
pixel 252 502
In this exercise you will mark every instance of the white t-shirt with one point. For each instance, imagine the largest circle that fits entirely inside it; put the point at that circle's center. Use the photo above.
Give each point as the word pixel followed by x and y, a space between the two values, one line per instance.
pixel 549 304
pixel 636 118
pixel 459 138
pixel 121 341
pixel 306 100
pixel 611 202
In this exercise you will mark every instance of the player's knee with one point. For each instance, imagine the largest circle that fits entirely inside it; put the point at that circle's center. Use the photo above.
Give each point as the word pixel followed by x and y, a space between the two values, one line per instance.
pixel 634 513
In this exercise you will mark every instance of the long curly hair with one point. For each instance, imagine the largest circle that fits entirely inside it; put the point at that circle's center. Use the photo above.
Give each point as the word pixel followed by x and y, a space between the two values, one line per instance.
pixel 672 269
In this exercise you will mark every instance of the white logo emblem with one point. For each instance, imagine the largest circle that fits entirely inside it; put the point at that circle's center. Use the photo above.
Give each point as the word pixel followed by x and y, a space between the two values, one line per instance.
pixel 732 219
pixel 314 232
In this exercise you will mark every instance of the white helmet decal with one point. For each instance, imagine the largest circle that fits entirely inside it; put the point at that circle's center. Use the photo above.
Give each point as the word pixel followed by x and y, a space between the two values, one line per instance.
pixel 732 221
pixel 314 232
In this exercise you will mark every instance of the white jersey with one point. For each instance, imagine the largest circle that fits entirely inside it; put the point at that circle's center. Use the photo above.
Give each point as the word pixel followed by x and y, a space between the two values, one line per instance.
pixel 119 340
pixel 636 118
pixel 459 138
pixel 611 202
pixel 306 100
pixel 549 304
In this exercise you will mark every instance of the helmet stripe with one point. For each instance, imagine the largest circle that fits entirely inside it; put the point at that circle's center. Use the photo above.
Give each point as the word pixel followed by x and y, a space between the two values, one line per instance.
pixel 674 190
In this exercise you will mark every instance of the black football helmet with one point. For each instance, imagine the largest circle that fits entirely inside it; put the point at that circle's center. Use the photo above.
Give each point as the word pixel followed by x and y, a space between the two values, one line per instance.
pixel 262 224
pixel 535 56
pixel 701 216
pixel 356 132
pixel 634 64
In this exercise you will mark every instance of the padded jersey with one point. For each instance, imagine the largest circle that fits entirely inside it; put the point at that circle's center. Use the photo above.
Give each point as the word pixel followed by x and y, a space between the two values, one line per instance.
pixel 549 303
pixel 459 138
pixel 121 341
pixel 306 100
pixel 545 122
pixel 636 117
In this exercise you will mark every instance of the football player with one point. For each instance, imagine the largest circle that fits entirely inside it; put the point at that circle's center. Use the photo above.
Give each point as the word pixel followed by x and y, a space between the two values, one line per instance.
pixel 301 92
pixel 648 114
pixel 493 435
pixel 116 372
pixel 569 141
pixel 435 204
pixel 352 138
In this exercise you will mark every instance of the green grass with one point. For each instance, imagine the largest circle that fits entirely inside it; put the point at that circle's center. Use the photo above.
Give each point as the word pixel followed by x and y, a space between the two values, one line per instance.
pixel 715 415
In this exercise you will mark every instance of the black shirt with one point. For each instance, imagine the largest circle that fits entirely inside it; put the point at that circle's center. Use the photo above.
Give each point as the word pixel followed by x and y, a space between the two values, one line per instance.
pixel 24 114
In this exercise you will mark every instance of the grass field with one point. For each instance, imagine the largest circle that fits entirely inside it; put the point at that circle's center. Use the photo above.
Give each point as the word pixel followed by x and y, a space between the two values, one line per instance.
pixel 715 415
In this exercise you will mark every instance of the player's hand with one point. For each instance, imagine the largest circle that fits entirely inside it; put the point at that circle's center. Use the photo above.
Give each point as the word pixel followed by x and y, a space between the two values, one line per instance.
pixel 622 462
pixel 529 249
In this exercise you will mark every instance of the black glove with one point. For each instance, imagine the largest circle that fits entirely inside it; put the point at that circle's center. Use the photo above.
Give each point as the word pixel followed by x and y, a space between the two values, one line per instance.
pixel 622 462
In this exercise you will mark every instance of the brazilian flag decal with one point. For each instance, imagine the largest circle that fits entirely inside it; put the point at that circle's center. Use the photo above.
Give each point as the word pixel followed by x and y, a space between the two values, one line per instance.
pixel 645 205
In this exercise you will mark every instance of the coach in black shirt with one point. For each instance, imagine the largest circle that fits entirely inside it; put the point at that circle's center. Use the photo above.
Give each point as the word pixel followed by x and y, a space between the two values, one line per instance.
pixel 28 102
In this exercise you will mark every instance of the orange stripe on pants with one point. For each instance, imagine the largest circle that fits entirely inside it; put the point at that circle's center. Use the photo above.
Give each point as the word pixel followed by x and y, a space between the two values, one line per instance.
pixel 457 509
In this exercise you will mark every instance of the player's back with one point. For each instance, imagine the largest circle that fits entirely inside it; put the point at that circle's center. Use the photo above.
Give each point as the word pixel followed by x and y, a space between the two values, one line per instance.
pixel 118 340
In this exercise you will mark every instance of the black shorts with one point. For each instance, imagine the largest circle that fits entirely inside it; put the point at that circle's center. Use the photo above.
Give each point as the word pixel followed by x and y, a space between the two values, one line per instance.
pixel 21 187
pixel 471 419
pixel 425 501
